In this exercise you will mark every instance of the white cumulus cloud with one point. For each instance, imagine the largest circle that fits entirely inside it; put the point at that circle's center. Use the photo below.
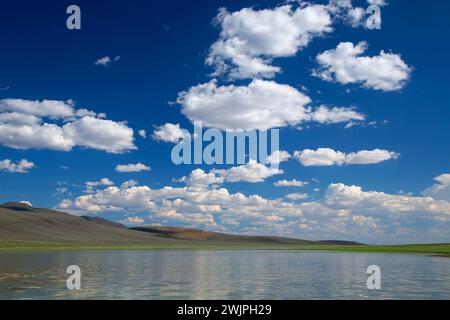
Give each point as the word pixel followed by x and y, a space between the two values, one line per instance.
pixel 440 190
pixel 325 115
pixel 169 132
pixel 290 183
pixel 90 185
pixel 52 109
pixel 345 11
pixel 250 39
pixel 346 212
pixel 138 167
pixel 345 64
pixel 142 133
pixel 260 105
pixel 380 3
pixel 297 196
pixel 24 124
pixel 278 157
pixel 355 198
pixel 251 172
pixel 132 221
pixel 330 157
pixel 106 61
pixel 23 166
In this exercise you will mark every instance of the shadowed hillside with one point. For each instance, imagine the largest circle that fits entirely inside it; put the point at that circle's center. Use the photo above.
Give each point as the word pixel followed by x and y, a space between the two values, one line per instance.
pixel 21 223
pixel 194 234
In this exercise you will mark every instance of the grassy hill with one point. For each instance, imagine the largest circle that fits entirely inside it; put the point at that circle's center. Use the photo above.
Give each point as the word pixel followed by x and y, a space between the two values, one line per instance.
pixel 215 237
pixel 20 223
pixel 23 228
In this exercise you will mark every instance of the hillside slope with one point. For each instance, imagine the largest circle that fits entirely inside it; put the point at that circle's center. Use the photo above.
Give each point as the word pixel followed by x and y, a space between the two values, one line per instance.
pixel 200 235
pixel 20 223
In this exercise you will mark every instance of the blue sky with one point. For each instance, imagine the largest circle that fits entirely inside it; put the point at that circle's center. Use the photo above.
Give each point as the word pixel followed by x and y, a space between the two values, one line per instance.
pixel 164 49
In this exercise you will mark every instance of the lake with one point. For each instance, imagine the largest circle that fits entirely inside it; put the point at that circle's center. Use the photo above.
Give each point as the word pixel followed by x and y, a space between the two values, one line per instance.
pixel 222 274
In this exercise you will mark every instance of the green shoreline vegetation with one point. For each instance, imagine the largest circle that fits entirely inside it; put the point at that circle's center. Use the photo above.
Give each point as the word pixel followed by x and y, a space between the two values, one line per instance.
pixel 435 249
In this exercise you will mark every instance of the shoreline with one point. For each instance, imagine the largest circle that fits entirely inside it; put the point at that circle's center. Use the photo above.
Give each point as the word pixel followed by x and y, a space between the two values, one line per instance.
pixel 440 250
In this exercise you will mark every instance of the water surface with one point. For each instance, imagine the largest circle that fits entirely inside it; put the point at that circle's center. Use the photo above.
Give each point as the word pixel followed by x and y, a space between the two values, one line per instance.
pixel 222 274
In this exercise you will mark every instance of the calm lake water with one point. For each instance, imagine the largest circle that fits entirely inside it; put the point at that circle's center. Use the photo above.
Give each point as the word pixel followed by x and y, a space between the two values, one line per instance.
pixel 204 274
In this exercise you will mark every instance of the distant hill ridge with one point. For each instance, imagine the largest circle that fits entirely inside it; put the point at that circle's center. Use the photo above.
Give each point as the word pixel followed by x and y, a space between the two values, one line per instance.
pixel 20 222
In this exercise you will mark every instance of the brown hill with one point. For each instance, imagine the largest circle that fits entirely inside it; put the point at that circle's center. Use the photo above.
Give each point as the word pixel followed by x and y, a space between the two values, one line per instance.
pixel 22 223
pixel 200 235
